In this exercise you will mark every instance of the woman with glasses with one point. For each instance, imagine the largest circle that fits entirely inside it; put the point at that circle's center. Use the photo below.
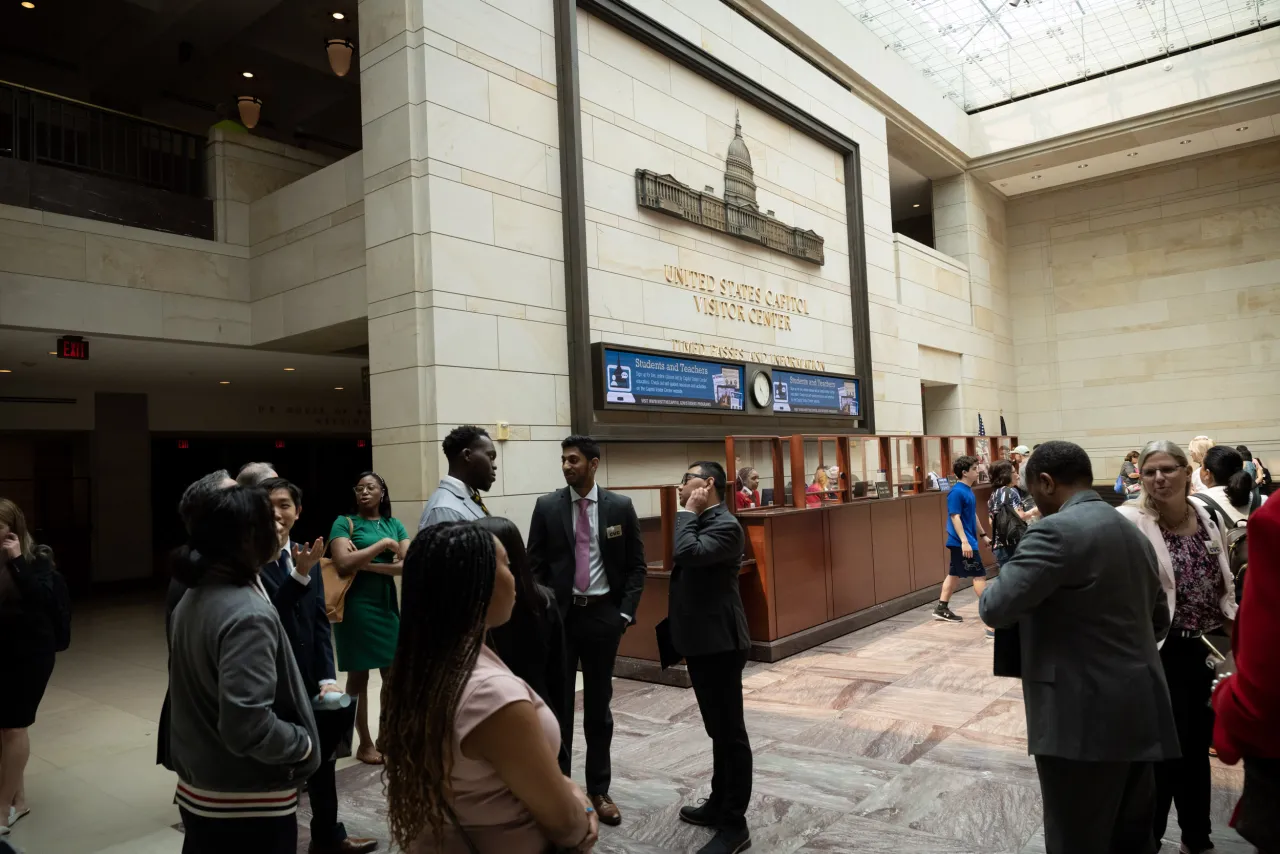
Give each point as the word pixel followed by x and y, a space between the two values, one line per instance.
pixel 369 544
pixel 1197 581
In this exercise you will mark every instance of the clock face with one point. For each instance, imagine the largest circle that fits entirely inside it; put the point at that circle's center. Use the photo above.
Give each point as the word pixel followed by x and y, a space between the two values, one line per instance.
pixel 761 388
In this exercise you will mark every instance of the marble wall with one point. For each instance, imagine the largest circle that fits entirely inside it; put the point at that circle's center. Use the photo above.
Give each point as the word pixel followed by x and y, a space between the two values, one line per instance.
pixel 306 270
pixel 1146 306
pixel 79 275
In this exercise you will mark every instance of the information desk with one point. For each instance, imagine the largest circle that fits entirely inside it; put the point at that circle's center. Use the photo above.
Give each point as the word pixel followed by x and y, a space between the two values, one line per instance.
pixel 812 575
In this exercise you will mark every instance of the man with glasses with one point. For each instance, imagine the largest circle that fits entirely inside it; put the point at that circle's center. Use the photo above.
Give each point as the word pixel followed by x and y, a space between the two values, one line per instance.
pixel 709 628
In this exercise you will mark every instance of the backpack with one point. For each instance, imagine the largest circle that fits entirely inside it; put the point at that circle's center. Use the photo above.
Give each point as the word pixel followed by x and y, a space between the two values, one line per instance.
pixel 1009 527
pixel 1234 536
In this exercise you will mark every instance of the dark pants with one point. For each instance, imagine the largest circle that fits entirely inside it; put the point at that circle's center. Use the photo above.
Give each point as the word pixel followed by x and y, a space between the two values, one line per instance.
pixel 1096 807
pixel 239 835
pixel 717 683
pixel 1186 782
pixel 592 635
pixel 322 788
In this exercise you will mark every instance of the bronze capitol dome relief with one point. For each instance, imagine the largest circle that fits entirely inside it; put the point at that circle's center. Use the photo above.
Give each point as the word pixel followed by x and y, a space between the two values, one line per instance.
pixel 737 214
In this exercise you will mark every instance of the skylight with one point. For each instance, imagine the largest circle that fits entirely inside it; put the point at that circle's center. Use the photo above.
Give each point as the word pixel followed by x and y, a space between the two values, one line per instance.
pixel 985 52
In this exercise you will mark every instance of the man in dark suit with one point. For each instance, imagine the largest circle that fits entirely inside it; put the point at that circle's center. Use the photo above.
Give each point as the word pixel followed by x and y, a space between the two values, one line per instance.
pixel 296 588
pixel 1084 590
pixel 584 543
pixel 709 628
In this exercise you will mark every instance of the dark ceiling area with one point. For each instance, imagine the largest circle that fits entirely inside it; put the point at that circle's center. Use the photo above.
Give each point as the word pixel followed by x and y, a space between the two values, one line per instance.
pixel 181 62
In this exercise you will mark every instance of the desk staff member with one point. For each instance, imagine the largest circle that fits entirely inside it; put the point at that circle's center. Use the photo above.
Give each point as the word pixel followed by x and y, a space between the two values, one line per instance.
pixel 296 589
pixel 584 543
pixel 709 628
pixel 473 467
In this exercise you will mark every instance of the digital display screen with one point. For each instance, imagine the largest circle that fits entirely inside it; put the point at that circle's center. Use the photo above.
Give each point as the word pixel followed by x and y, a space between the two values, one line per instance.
pixel 644 379
pixel 812 394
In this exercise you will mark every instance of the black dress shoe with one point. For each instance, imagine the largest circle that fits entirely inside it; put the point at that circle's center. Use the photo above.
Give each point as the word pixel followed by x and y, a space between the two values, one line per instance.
pixel 705 814
pixel 728 841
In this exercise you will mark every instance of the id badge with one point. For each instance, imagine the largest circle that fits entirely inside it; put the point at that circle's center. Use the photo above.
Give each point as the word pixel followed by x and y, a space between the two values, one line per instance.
pixel 1213 547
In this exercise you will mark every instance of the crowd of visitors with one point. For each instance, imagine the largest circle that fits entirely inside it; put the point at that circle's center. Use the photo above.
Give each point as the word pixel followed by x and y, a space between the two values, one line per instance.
pixel 1116 620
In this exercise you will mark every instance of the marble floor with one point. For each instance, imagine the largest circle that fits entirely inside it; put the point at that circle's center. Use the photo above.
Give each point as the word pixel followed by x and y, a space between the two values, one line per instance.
pixel 895 739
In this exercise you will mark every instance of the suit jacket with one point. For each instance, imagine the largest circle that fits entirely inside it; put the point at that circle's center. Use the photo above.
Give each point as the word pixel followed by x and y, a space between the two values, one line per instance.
pixel 450 503
pixel 301 609
pixel 1084 589
pixel 551 547
pixel 704 606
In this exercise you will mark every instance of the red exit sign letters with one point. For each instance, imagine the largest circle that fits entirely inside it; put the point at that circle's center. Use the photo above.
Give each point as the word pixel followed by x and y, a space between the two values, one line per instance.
pixel 73 347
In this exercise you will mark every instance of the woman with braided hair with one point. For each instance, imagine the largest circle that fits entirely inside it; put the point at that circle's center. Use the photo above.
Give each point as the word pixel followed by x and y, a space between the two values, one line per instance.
pixel 470 748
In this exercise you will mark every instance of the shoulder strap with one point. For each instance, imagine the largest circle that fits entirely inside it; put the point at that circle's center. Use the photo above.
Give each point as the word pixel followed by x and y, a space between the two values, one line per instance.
pixel 1215 510
pixel 453 817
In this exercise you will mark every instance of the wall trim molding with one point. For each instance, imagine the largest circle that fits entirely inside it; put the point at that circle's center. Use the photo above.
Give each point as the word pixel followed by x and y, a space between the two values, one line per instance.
pixel 649 32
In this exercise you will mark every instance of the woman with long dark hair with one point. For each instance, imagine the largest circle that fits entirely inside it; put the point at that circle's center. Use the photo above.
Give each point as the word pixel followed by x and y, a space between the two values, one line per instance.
pixel 369 544
pixel 27 635
pixel 1229 488
pixel 470 747
pixel 242 737
pixel 531 643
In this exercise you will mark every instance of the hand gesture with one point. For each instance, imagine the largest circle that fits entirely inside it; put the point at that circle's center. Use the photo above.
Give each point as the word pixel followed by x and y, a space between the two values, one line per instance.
pixel 10 546
pixel 306 557
pixel 699 499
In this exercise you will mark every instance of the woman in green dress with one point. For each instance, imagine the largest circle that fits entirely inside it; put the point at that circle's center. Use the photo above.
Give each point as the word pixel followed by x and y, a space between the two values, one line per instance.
pixel 370 544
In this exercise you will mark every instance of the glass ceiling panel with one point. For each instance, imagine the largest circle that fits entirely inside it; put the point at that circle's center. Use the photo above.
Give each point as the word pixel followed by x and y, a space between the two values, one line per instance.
pixel 984 52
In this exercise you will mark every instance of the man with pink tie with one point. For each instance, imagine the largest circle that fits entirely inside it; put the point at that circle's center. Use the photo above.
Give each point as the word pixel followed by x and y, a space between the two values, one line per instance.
pixel 584 543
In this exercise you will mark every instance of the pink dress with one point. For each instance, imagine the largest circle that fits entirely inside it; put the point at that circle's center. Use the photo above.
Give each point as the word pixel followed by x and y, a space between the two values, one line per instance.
pixel 495 818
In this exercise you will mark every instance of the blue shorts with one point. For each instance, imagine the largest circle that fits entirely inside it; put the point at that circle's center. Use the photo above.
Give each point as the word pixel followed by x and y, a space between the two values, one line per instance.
pixel 962 568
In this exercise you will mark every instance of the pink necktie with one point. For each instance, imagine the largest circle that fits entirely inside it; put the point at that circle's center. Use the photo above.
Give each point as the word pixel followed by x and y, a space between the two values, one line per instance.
pixel 582 549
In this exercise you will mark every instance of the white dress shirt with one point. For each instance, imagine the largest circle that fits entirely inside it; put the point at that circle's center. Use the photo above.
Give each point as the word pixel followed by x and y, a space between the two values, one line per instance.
pixel 599 580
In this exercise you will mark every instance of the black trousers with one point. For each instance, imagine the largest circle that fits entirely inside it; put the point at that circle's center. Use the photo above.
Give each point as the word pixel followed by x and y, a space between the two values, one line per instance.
pixel 1186 782
pixel 239 835
pixel 322 789
pixel 592 634
pixel 1097 807
pixel 717 683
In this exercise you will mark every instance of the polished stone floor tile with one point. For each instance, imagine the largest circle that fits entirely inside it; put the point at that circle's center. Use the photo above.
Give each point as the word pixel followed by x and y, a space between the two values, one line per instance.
pixel 816 690
pixel 1005 717
pixel 661 703
pixel 871 736
pixel 856 835
pixel 991 756
pixel 980 810
pixel 921 704
pixel 818 777
pixel 781 721
pixel 777 825
pixel 956 679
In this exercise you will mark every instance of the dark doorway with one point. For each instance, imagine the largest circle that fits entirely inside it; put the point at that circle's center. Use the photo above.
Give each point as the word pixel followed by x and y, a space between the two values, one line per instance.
pixel 324 468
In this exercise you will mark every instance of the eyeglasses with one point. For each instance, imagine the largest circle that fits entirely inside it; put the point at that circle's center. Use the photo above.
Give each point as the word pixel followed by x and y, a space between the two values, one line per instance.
pixel 688 476
pixel 1167 471
pixel 361 489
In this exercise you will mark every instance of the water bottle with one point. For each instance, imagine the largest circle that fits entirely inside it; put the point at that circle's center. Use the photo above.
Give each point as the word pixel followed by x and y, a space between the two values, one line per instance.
pixel 330 701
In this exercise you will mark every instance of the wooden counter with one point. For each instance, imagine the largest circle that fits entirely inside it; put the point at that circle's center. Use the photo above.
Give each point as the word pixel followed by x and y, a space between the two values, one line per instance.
pixel 811 575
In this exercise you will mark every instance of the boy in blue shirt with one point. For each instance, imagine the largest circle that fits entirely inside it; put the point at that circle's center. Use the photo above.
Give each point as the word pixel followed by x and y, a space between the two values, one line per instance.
pixel 963 529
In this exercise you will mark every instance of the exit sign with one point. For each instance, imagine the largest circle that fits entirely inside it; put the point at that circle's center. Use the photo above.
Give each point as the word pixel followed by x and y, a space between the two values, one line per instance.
pixel 73 347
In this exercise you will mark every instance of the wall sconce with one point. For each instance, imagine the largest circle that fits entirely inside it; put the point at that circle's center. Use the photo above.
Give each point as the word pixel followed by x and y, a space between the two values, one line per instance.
pixel 339 51
pixel 250 110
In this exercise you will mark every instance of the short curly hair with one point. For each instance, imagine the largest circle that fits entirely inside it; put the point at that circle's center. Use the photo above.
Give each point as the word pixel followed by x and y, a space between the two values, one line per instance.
pixel 461 438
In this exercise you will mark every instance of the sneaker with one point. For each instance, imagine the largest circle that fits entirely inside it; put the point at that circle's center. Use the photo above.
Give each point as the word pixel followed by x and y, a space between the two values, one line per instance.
pixel 943 612
pixel 991 634
pixel 705 814
pixel 728 841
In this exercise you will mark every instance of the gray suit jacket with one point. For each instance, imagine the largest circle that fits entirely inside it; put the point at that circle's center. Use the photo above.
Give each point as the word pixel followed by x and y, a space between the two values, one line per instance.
pixel 449 503
pixel 1084 588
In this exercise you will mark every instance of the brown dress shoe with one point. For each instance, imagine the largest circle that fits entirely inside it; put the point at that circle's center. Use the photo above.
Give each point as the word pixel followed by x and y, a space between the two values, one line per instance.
pixel 350 845
pixel 607 810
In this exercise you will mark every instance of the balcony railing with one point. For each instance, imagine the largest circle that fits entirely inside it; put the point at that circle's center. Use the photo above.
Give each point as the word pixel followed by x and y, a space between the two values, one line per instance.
pixel 44 129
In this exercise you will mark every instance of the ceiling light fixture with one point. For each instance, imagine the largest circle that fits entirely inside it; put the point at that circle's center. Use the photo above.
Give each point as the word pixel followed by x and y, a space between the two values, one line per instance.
pixel 53 352
pixel 291 369
pixel 248 74
pixel 250 110
pixel 1242 127
pixel 224 382
pixel 339 51
pixel 1036 177
pixel 337 388
pixel 915 206
pixel 1082 166
pixel 1185 142
pixel 1132 154
pixel 338 16
pixel 5 371
pixel 27 4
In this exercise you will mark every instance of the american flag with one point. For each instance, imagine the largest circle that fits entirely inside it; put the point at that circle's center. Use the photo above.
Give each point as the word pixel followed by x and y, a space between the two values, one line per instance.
pixel 982 430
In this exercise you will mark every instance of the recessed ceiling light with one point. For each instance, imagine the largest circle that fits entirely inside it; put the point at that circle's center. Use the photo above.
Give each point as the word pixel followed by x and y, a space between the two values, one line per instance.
pixel 1132 154
pixel 1036 177
pixel 915 206
pixel 337 388
pixel 1242 127
pixel 27 4
pixel 290 369
pixel 338 16
pixel 224 382
pixel 5 371
pixel 1082 166
pixel 53 352
pixel 1185 142
pixel 246 73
